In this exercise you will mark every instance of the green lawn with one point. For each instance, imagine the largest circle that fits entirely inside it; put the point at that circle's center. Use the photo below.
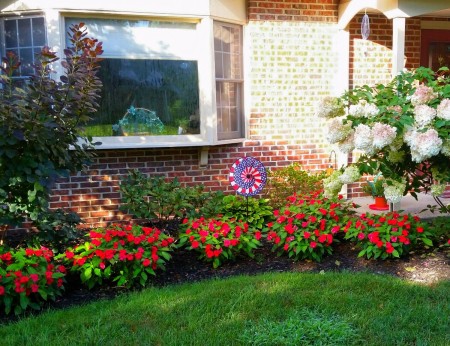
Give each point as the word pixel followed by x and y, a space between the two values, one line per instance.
pixel 106 130
pixel 269 309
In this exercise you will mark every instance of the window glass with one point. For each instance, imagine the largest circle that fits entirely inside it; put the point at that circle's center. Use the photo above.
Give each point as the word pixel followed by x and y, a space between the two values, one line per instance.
pixel 38 31
pixel 147 97
pixel 229 82
pixel 25 37
pixel 149 75
pixel 25 34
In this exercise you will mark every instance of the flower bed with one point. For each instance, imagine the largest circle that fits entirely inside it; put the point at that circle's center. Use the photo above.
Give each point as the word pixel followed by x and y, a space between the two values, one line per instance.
pixel 125 255
pixel 219 240
pixel 387 235
pixel 28 278
pixel 306 227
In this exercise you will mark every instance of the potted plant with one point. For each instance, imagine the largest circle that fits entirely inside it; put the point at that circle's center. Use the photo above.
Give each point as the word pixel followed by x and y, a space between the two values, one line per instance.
pixel 375 188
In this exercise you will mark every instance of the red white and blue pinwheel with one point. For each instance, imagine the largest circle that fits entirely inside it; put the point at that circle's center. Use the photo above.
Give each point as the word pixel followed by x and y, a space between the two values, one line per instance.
pixel 247 176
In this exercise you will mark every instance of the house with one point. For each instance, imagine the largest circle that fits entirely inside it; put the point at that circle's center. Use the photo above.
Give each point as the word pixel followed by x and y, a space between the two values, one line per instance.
pixel 211 81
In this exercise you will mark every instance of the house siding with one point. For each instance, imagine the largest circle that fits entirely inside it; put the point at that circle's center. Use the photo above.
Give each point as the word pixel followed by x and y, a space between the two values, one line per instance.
pixel 292 49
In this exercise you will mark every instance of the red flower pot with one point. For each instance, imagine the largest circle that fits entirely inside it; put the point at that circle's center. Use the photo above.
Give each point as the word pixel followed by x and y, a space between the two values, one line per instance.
pixel 380 204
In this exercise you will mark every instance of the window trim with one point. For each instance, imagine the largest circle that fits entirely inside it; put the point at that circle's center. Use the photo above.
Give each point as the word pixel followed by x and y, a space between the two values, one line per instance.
pixel 208 136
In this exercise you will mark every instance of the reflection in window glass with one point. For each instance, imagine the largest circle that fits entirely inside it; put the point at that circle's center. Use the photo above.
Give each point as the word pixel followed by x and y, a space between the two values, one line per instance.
pixel 439 55
pixel 229 80
pixel 147 97
pixel 25 37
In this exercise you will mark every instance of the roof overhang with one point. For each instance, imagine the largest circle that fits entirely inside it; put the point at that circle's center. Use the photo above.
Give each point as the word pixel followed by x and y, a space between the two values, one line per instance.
pixel 392 9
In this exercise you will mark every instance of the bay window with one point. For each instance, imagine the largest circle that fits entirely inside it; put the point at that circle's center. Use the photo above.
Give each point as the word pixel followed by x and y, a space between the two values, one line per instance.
pixel 168 80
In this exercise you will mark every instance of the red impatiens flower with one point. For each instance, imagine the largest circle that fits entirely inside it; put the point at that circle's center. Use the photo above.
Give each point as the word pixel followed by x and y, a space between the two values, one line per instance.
pixel 69 254
pixel 313 244
pixel 2 290
pixel 195 244
pixel 306 235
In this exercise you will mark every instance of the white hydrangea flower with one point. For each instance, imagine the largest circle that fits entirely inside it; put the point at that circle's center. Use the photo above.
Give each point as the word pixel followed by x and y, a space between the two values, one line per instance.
pixel 445 150
pixel 357 110
pixel 393 192
pixel 383 135
pixel 363 109
pixel 396 156
pixel 424 115
pixel 348 144
pixel 371 110
pixel 329 107
pixel 337 130
pixel 364 138
pixel 424 144
pixel 422 95
pixel 443 110
pixel 437 189
pixel 332 185
pixel 350 175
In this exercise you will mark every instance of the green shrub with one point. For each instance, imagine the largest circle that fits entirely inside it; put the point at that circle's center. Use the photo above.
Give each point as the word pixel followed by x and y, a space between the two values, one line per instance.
pixel 57 229
pixel 255 211
pixel 41 125
pixel 125 255
pixel 28 278
pixel 290 180
pixel 158 199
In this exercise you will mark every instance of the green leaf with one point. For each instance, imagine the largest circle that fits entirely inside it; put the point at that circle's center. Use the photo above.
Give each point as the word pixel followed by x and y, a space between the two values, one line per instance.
pixel 24 301
pixel 43 293
pixel 427 241
pixel 88 273
pixel 165 255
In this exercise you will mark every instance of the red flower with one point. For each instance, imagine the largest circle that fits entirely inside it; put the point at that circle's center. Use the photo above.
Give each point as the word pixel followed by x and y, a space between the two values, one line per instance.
pixel 306 235
pixel 419 229
pixel 2 290
pixel 195 244
pixel 258 235
pixel 34 288
pixel 34 277
pixel 313 244
pixel 101 265
pixel 322 238
pixel 286 247
pixel 361 236
pixel 146 262
pixel 69 254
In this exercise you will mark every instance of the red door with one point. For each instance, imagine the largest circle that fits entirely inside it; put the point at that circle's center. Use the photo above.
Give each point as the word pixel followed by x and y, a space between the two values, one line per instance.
pixel 435 48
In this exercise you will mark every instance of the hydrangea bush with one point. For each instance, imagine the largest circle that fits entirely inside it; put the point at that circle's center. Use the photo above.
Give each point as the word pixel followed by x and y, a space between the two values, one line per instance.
pixel 402 130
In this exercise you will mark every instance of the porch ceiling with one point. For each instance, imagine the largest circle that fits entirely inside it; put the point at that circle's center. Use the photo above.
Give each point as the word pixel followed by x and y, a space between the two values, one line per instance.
pixel 392 9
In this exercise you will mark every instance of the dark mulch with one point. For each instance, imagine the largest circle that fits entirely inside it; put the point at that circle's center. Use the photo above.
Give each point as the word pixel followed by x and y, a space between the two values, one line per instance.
pixel 422 267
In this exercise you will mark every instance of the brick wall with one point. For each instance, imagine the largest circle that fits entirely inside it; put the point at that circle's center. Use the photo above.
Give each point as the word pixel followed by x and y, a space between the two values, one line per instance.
pixel 291 54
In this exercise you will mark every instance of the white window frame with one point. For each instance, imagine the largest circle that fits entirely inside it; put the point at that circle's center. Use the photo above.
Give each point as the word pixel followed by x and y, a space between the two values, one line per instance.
pixel 201 12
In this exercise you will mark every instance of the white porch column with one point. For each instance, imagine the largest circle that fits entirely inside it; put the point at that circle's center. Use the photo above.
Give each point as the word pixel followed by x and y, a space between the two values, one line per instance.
pixel 398 45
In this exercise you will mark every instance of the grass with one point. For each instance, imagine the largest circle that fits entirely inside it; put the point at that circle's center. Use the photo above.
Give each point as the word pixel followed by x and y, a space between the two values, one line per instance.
pixel 268 309
pixel 102 130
